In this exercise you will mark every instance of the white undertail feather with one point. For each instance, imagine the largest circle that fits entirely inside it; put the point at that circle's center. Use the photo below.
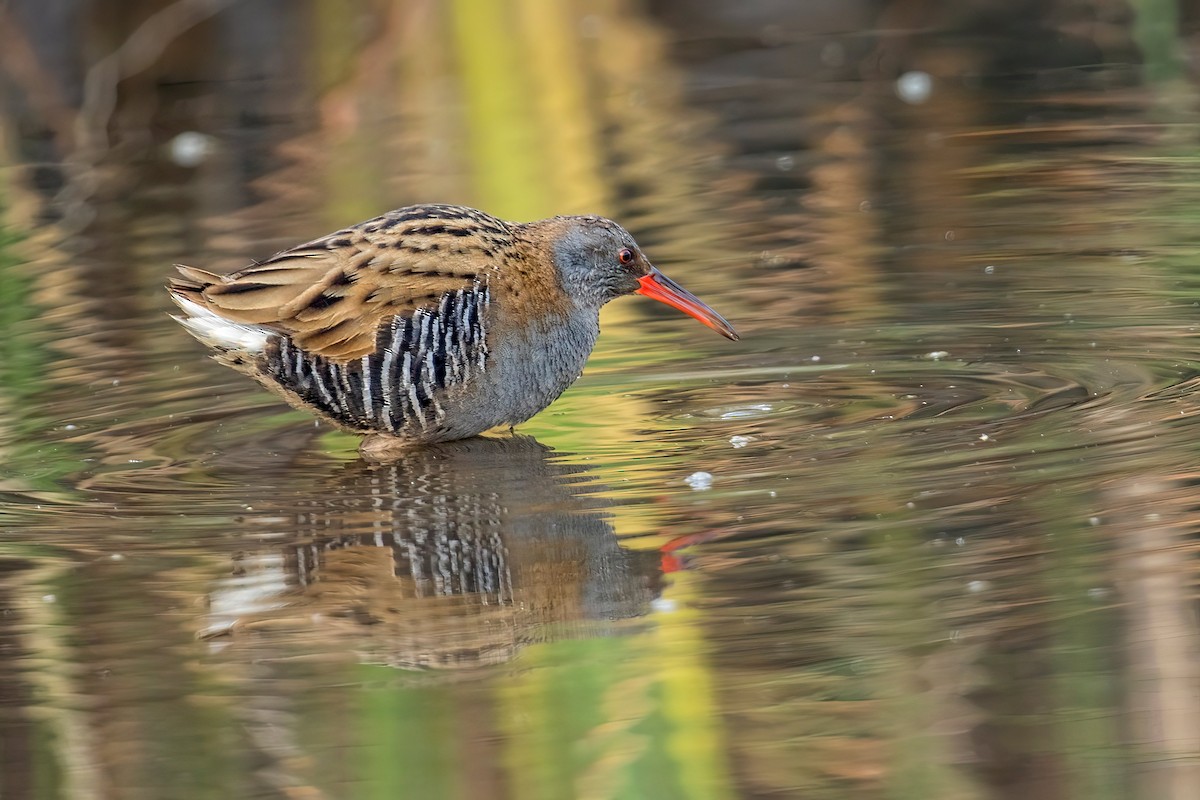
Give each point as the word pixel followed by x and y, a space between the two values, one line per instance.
pixel 216 331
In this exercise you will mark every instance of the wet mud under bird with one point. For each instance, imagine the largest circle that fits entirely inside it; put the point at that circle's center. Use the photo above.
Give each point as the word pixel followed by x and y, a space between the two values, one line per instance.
pixel 926 530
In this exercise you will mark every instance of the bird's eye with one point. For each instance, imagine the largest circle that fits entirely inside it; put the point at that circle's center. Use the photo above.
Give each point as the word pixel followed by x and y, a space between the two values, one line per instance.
pixel 625 256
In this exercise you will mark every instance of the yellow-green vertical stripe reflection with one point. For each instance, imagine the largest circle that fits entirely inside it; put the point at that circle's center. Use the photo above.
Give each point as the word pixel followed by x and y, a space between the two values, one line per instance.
pixel 630 717
pixel 352 189
pixel 408 743
pixel 570 156
pixel 505 150
pixel 689 699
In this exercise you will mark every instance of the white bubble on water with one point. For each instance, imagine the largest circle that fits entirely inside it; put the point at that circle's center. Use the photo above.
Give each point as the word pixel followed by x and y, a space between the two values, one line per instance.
pixel 699 481
pixel 190 148
pixel 739 442
pixel 914 87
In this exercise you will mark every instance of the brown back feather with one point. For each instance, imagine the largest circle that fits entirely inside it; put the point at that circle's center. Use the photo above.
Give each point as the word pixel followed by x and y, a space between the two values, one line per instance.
pixel 331 295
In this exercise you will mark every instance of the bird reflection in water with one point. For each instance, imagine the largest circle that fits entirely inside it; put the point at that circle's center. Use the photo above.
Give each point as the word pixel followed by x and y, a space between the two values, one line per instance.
pixel 454 555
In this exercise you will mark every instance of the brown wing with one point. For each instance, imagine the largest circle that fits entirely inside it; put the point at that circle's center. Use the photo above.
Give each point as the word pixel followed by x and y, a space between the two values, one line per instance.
pixel 332 295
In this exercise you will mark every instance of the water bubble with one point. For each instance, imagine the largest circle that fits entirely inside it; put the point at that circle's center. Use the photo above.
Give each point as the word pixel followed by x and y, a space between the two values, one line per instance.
pixel 937 355
pixel 740 441
pixel 989 269
pixel 190 149
pixel 975 587
pixel 914 87
pixel 785 163
pixel 70 427
pixel 49 598
pixel 699 481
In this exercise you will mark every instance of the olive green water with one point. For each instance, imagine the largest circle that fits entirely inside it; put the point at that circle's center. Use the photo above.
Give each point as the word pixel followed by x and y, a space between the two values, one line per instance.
pixel 928 531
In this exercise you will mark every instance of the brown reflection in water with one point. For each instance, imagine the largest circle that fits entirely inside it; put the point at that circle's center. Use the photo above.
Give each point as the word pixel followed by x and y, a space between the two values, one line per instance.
pixel 1162 649
pixel 860 185
pixel 17 728
pixel 448 556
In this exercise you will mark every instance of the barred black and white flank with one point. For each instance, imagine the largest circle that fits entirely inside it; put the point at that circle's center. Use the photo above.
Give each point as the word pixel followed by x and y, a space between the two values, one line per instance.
pixel 396 387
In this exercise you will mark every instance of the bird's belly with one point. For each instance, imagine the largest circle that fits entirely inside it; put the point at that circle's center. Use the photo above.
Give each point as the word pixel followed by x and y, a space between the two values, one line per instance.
pixel 523 376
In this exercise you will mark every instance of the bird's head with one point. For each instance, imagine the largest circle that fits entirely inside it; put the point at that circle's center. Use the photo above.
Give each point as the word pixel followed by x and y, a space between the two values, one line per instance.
pixel 598 260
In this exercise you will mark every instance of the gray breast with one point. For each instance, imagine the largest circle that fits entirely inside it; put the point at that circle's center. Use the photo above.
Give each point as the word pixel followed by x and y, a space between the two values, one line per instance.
pixel 535 367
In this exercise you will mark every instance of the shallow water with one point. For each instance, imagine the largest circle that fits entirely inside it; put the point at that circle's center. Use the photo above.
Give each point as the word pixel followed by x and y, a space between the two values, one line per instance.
pixel 927 531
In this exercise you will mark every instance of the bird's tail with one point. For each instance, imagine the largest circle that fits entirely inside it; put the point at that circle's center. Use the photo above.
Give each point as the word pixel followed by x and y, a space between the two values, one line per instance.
pixel 214 330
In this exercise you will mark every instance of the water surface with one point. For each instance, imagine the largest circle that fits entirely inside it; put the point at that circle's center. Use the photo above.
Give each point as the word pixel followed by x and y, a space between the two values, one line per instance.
pixel 925 532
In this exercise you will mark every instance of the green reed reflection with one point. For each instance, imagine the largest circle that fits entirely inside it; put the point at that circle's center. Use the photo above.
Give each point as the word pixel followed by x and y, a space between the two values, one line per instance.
pixel 29 464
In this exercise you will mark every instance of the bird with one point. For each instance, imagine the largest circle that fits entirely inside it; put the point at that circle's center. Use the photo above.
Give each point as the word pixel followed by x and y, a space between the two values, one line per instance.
pixel 429 323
